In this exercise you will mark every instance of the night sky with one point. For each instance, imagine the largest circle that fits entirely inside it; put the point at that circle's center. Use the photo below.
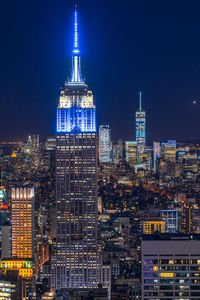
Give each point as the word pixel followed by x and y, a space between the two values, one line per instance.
pixel 126 46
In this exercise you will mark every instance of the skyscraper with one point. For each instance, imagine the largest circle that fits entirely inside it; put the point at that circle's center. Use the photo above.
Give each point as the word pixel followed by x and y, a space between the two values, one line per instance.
pixel 76 263
pixel 140 129
pixel 156 154
pixel 22 222
pixel 105 144
pixel 131 152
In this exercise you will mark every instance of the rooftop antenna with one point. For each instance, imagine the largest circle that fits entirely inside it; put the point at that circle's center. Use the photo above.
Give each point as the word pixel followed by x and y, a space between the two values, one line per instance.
pixel 140 96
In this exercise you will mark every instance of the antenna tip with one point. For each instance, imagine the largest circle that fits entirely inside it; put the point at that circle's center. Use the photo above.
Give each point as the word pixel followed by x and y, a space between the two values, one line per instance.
pixel 76 5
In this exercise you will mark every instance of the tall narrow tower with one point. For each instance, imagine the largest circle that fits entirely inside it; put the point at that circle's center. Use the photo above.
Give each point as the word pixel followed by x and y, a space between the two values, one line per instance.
pixel 140 128
pixel 76 263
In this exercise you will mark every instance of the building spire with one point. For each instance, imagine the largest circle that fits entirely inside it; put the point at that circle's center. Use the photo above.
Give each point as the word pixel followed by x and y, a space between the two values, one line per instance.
pixel 76 48
pixel 140 96
pixel 76 61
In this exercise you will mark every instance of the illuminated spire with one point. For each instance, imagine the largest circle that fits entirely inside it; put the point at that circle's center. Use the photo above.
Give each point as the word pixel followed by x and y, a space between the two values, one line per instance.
pixel 76 50
pixel 76 60
pixel 140 95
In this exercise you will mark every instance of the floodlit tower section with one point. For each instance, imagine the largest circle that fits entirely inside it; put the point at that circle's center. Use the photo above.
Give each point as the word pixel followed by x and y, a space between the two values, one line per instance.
pixel 140 129
pixel 77 260
pixel 76 111
pixel 105 144
pixel 22 222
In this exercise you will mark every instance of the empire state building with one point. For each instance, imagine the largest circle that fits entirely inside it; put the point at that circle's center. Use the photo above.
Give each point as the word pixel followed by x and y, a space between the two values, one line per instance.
pixel 76 262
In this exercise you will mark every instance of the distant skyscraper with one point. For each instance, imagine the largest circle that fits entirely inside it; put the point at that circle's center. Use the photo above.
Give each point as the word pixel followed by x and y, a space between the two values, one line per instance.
pixel 168 150
pixel 22 222
pixel 156 154
pixel 105 144
pixel 117 151
pixel 76 263
pixel 131 152
pixel 140 129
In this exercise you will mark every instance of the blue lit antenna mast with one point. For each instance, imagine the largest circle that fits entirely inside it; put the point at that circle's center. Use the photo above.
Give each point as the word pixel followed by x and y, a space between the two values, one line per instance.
pixel 140 128
pixel 76 60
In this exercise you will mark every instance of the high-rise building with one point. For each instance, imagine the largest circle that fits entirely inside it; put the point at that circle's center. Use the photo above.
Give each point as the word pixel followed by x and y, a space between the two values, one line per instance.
pixel 140 129
pixel 22 222
pixel 168 150
pixel 117 152
pixel 131 152
pixel 156 154
pixel 170 267
pixel 105 144
pixel 77 260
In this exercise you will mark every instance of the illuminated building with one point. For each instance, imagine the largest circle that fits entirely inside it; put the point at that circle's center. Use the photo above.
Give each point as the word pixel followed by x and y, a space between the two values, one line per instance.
pixel 34 142
pixel 190 219
pixel 170 267
pixel 32 150
pixel 171 220
pixel 140 129
pixel 10 286
pixel 168 150
pixel 156 154
pixel 117 152
pixel 131 152
pixel 25 267
pixel 149 227
pixel 51 143
pixel 22 222
pixel 77 261
pixel 190 162
pixel 196 221
pixel 25 271
pixel 105 144
pixel 2 193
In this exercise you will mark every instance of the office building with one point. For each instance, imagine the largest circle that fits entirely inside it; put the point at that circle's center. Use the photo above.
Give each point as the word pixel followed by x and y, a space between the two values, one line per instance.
pixel 140 129
pixel 117 152
pixel 156 154
pixel 77 260
pixel 170 217
pixel 24 268
pixel 152 226
pixel 131 152
pixel 51 143
pixel 105 144
pixel 190 162
pixel 168 150
pixel 10 286
pixel 170 267
pixel 22 222
pixel 5 240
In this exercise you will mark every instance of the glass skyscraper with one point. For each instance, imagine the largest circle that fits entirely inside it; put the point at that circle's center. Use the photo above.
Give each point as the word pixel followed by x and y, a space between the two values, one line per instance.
pixel 140 128
pixel 105 144
pixel 77 260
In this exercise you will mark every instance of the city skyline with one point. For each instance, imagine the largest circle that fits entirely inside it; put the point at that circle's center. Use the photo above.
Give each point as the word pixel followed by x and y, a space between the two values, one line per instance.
pixel 162 61
pixel 90 208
